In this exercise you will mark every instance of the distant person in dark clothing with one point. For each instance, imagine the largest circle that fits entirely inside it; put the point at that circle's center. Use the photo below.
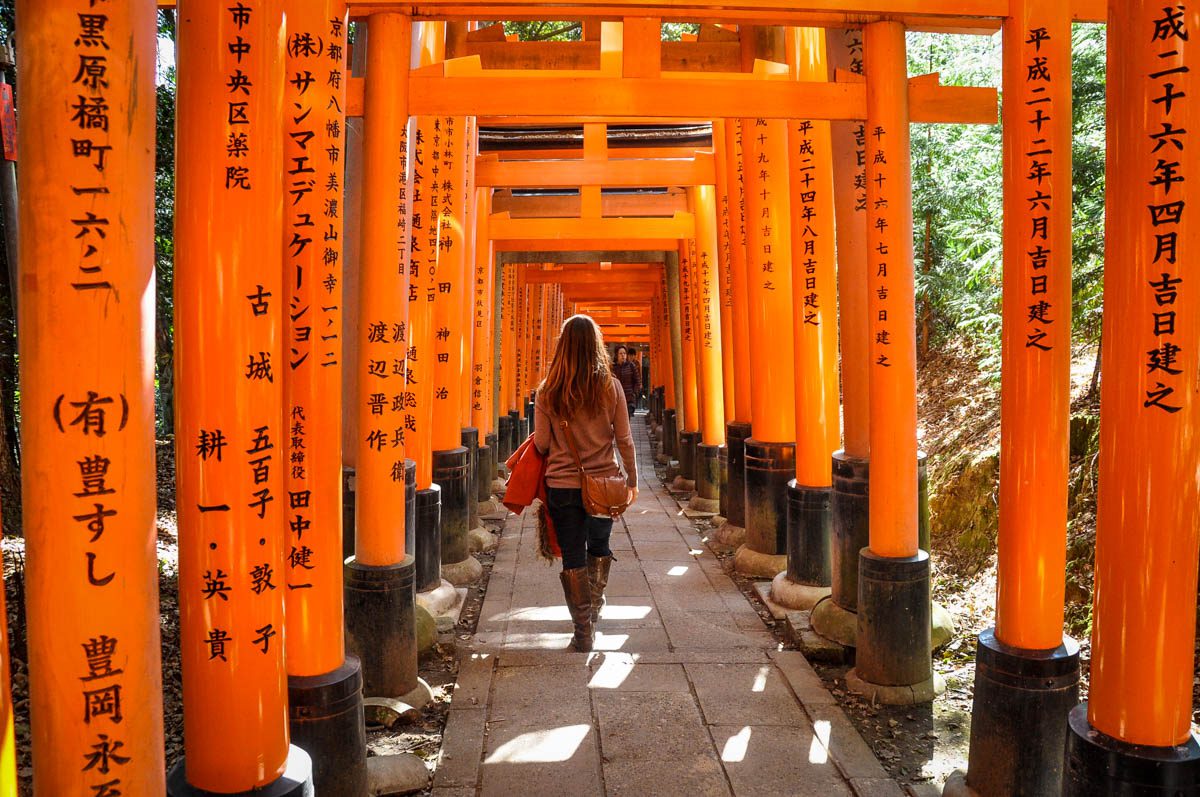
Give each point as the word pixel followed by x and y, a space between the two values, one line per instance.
pixel 629 375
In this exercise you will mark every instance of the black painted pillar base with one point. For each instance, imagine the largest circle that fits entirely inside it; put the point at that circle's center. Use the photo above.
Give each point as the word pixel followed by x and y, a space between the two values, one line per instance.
pixel 296 780
pixel 515 437
pixel 722 479
pixel 708 479
pixel 428 539
pixel 1101 766
pixel 470 441
pixel 524 427
pixel 809 535
pixel 503 438
pixel 670 434
pixel 1019 717
pixel 688 444
pixel 410 506
pixel 450 473
pixel 894 617
pixel 736 434
pixel 325 715
pixel 381 625
pixel 851 525
pixel 769 468
pixel 347 513
pixel 485 473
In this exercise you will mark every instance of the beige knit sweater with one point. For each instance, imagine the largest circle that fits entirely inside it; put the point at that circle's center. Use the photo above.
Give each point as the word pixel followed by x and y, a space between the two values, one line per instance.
pixel 595 434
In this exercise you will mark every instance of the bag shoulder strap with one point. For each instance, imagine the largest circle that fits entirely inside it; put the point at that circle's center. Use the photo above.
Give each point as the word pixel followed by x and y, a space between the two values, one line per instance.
pixel 566 427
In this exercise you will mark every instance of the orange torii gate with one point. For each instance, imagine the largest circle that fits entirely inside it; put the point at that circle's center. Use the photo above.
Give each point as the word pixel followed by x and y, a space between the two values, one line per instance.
pixel 1137 715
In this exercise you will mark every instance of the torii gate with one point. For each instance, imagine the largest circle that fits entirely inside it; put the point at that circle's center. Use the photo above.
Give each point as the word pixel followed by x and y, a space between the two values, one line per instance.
pixel 1138 715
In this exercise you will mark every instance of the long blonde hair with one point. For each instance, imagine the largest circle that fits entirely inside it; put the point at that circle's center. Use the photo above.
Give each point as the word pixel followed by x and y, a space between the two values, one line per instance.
pixel 580 375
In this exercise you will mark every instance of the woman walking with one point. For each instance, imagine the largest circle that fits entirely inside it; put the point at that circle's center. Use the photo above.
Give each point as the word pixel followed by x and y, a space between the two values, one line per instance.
pixel 580 417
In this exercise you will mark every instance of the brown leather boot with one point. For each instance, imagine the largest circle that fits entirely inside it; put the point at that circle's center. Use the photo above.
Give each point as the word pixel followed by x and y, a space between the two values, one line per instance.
pixel 578 592
pixel 598 567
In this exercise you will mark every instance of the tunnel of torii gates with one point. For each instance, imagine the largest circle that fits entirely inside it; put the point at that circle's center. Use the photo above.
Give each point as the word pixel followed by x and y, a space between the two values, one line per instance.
pixel 375 246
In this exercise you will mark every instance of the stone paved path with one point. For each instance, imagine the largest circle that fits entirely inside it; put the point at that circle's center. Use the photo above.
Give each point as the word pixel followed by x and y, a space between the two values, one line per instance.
pixel 686 693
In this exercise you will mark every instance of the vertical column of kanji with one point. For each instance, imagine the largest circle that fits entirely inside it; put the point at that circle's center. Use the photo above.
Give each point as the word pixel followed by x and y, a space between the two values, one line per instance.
pixel 495 376
pixel 522 352
pixel 674 414
pixel 733 532
pixel 1139 709
pixel 724 272
pixel 893 635
pixel 87 370
pixel 771 452
pixel 833 619
pixel 1019 723
pixel 451 459
pixel 315 96
pixel 319 672
pixel 652 420
pixel 480 372
pixel 689 418
pixel 229 425
pixel 807 577
pixel 708 335
pixel 537 317
pixel 508 358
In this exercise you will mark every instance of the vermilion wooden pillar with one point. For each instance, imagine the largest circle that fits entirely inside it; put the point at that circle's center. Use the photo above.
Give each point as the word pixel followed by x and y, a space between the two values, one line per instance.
pixel 689 424
pixel 834 619
pixel 894 611
pixel 480 375
pixel 707 290
pixel 87 388
pixel 230 430
pixel 319 673
pixel 1136 726
pixel 1019 724
pixel 771 451
pixel 380 579
pixel 814 288
pixel 725 216
pixel 733 532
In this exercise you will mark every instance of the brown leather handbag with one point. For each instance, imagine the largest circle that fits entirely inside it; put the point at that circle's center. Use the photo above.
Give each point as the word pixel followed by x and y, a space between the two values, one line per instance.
pixel 603 496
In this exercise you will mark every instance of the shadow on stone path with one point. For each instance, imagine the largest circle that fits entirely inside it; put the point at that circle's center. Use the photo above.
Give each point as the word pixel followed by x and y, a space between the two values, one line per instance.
pixel 686 693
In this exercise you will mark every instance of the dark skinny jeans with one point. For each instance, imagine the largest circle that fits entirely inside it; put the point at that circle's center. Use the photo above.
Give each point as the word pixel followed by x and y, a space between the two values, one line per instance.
pixel 579 533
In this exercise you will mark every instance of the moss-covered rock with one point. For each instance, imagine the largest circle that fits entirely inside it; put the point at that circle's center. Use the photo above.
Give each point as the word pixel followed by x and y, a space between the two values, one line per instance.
pixel 964 511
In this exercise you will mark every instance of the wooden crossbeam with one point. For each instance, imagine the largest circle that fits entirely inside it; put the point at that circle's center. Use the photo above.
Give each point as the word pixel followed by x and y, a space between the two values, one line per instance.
pixel 616 232
pixel 585 244
pixel 600 278
pixel 610 204
pixel 617 173
pixel 531 95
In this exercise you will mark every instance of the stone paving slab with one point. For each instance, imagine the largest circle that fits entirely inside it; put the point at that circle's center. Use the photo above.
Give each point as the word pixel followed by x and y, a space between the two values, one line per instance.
pixel 651 726
pixel 695 778
pixel 462 749
pixel 686 694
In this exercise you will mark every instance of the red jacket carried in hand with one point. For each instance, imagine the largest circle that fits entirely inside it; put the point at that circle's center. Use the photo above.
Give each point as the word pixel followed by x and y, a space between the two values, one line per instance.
pixel 527 481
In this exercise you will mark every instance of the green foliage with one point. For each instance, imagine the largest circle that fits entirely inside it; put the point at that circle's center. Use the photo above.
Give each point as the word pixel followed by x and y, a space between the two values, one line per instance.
pixel 546 31
pixel 958 197
pixel 164 235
